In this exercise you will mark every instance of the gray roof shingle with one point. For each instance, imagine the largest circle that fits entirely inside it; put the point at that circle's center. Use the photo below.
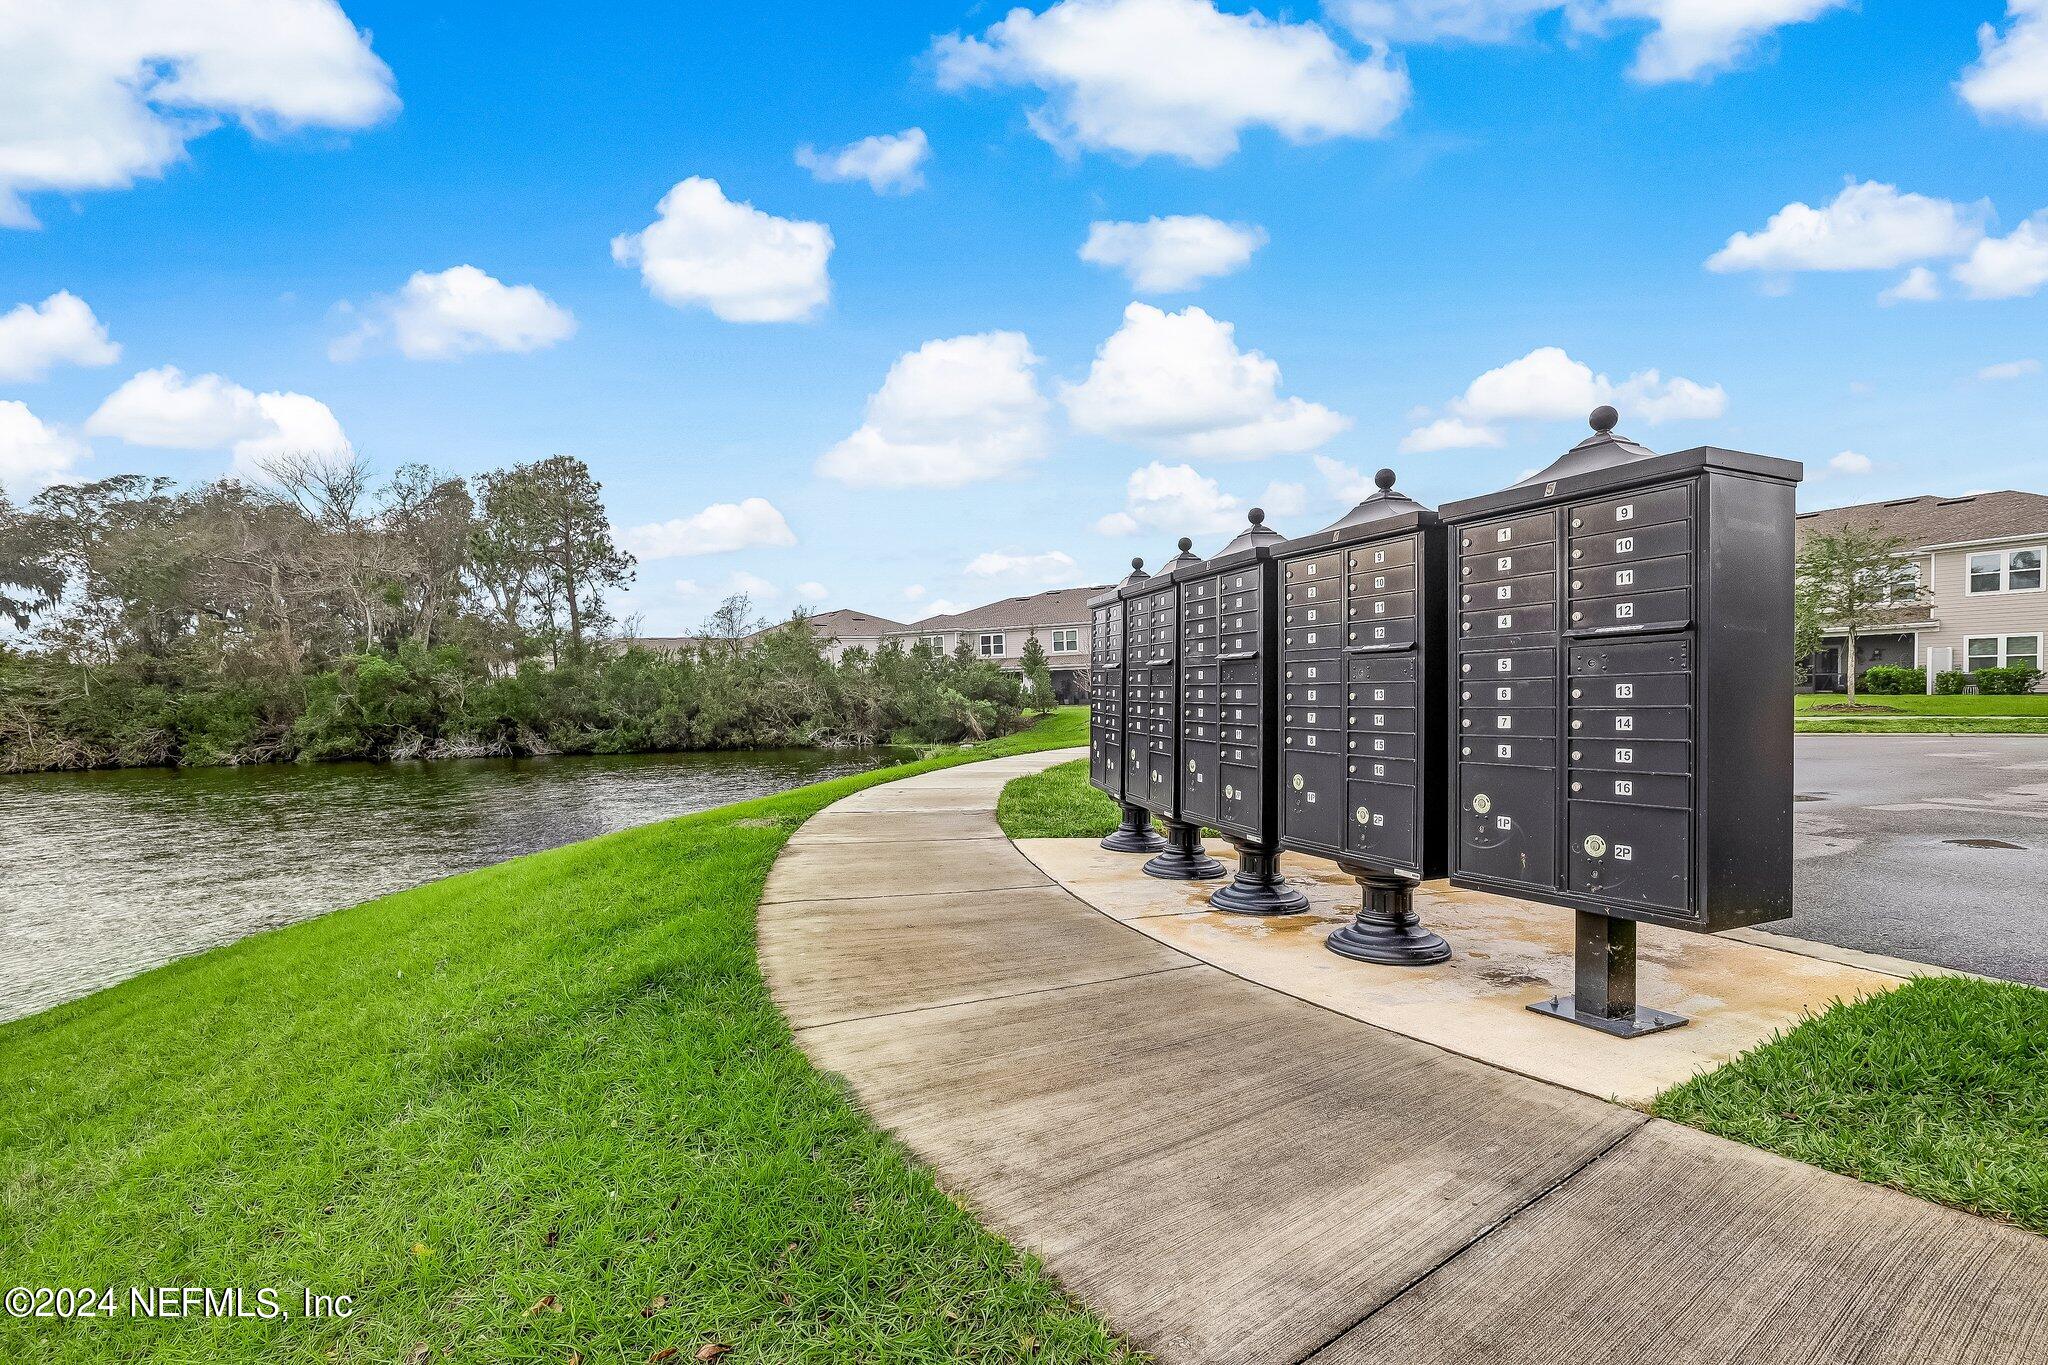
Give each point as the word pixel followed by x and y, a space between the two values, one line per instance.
pixel 1931 520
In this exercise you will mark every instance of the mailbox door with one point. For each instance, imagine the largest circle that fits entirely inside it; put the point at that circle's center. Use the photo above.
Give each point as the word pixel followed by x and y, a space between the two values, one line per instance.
pixel 1312 798
pixel 1507 824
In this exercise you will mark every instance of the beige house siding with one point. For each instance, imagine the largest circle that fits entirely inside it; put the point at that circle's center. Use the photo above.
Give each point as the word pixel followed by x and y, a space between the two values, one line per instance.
pixel 1960 615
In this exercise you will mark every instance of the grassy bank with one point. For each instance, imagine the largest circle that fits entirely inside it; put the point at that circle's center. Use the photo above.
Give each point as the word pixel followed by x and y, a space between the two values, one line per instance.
pixel 540 1112
pixel 1827 713
pixel 1939 1088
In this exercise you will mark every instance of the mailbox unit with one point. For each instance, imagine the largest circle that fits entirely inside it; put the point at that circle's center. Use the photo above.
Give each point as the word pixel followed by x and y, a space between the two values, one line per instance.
pixel 1362 714
pixel 1622 741
pixel 1229 670
pixel 1106 718
pixel 1152 660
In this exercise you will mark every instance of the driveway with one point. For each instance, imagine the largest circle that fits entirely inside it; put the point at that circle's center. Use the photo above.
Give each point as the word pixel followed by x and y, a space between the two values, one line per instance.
pixel 1929 847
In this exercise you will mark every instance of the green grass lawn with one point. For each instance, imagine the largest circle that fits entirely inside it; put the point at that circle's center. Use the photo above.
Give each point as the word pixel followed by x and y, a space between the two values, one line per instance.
pixel 1056 804
pixel 1939 1088
pixel 1954 715
pixel 542 1109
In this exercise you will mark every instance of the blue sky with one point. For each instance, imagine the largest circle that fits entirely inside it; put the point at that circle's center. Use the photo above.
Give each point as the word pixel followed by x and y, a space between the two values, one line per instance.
pixel 1406 195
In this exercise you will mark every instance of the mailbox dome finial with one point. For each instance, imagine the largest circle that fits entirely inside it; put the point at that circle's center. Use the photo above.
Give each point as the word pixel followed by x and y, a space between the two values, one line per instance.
pixel 1385 479
pixel 1186 544
pixel 1257 516
pixel 1603 419
pixel 1137 561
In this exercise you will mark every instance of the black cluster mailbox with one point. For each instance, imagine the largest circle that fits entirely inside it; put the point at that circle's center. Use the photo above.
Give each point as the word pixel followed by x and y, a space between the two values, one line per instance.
pixel 1107 720
pixel 1228 676
pixel 1623 735
pixel 1152 722
pixel 1361 713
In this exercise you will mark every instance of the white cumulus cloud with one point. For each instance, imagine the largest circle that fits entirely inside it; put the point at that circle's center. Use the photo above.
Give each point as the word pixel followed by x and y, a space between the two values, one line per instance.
pixel 1868 226
pixel 1917 285
pixel 1180 501
pixel 1177 78
pixel 950 413
pixel 164 409
pixel 2009 370
pixel 458 312
pixel 32 452
pixel 1547 385
pixel 61 330
pixel 2010 76
pixel 1178 382
pixel 1166 255
pixel 1850 462
pixel 1688 39
pixel 1051 569
pixel 95 94
pixel 891 163
pixel 2010 267
pixel 704 250
pixel 718 529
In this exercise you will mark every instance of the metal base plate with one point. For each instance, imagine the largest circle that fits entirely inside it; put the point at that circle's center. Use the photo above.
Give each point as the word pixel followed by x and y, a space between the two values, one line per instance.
pixel 1254 896
pixel 1175 865
pixel 1397 948
pixel 1644 1020
pixel 1122 840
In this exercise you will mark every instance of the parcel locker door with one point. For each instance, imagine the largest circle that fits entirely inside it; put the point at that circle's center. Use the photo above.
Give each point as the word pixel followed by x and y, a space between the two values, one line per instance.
pixel 1507 824
pixel 1379 823
pixel 1241 808
pixel 1640 855
pixel 1201 794
pixel 1312 798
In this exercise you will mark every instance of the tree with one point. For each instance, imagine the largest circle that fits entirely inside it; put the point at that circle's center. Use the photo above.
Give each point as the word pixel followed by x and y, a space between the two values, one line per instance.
pixel 546 540
pixel 731 625
pixel 31 578
pixel 1038 693
pixel 1853 580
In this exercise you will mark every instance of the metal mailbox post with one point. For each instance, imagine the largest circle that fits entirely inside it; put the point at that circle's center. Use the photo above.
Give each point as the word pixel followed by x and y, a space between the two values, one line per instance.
pixel 1107 718
pixel 1623 744
pixel 1229 671
pixel 1152 696
pixel 1362 713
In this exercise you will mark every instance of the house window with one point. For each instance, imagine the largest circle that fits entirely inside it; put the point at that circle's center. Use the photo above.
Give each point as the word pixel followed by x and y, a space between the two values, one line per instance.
pixel 991 646
pixel 2003 651
pixel 1066 642
pixel 2006 571
pixel 937 642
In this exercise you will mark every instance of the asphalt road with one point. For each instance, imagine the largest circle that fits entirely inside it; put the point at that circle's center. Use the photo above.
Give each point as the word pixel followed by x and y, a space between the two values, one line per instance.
pixel 1882 862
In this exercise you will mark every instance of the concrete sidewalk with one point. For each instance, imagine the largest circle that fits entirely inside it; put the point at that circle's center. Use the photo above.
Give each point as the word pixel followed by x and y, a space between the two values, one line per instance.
pixel 1228 1173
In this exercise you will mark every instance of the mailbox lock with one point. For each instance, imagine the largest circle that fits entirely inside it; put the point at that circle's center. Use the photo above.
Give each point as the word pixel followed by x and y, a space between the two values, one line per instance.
pixel 1575 786
pixel 1464 668
pixel 1576 523
pixel 1466 722
pixel 1577 553
pixel 1578 616
pixel 1482 803
pixel 1575 755
pixel 1576 724
pixel 1576 585
pixel 1298 782
pixel 1595 846
pixel 1576 694
pixel 1467 751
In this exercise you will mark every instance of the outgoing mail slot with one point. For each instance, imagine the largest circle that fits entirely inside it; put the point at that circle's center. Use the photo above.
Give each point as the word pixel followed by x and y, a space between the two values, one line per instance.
pixel 1381 634
pixel 1476 722
pixel 1314 569
pixel 1632 656
pixel 1645 611
pixel 1633 689
pixel 1623 547
pixel 1391 744
pixel 1507 825
pixel 1490 566
pixel 1508 592
pixel 1640 789
pixel 1316 639
pixel 1636 756
pixel 1399 666
pixel 1401 771
pixel 1479 691
pixel 1386 606
pixel 1391 578
pixel 1493 537
pixel 1649 575
pixel 1380 720
pixel 1650 508
pixel 1640 855
pixel 1380 693
pixel 1379 822
pixel 1536 620
pixel 1538 752
pixel 1387 554
pixel 1634 722
pixel 1312 798
pixel 1506 664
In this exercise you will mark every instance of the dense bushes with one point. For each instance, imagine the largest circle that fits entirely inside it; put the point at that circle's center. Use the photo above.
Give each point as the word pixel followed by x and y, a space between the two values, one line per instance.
pixel 1950 682
pixel 1891 680
pixel 773 690
pixel 2009 681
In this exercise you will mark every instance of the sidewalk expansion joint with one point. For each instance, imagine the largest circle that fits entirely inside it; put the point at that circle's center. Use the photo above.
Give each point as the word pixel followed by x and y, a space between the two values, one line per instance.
pixel 912 895
pixel 1006 995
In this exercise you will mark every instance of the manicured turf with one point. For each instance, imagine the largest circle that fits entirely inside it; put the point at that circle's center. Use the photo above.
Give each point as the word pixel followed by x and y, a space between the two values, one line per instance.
pixel 1919 725
pixel 1939 1088
pixel 1921 715
pixel 540 1109
pixel 1056 804
pixel 1963 704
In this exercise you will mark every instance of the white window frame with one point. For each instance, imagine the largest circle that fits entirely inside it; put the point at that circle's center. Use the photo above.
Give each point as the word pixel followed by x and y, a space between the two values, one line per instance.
pixel 2040 570
pixel 935 641
pixel 2003 642
pixel 1071 635
pixel 1001 645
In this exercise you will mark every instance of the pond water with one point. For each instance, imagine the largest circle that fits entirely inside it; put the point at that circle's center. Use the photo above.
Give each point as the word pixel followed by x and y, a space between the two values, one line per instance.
pixel 106 874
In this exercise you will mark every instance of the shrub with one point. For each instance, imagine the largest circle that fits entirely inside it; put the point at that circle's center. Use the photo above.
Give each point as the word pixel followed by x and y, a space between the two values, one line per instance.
pixel 1950 682
pixel 1890 680
pixel 2009 681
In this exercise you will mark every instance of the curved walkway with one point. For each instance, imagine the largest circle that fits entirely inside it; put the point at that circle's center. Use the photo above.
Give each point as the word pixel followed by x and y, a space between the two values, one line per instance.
pixel 1228 1173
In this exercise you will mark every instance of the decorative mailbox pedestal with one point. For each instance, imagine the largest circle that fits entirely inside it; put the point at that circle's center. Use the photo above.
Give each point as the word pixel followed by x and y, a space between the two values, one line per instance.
pixel 1229 637
pixel 1623 736
pixel 1106 719
pixel 1362 643
pixel 1152 696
